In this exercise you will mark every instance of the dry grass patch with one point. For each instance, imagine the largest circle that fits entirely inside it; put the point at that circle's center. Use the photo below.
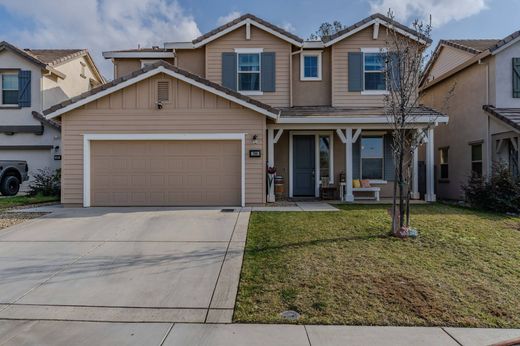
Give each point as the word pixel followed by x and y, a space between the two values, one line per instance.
pixel 343 268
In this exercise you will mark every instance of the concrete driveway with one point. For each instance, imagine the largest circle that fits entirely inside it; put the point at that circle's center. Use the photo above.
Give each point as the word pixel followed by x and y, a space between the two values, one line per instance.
pixel 124 265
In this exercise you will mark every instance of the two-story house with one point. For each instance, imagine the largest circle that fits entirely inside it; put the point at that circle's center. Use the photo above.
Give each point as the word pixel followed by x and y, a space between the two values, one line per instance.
pixel 32 80
pixel 200 122
pixel 484 108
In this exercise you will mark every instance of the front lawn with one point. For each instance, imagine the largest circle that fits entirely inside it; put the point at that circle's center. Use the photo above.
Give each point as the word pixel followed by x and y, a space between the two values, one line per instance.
pixel 10 218
pixel 343 268
pixel 17 201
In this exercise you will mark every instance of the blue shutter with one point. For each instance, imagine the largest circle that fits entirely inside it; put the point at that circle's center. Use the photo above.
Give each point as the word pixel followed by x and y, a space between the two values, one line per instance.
pixel 389 164
pixel 24 88
pixel 355 71
pixel 356 159
pixel 268 71
pixel 516 77
pixel 229 70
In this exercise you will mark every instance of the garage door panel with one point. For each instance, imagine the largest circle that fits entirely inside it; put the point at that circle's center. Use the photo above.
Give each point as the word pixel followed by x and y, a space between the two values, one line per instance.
pixel 157 173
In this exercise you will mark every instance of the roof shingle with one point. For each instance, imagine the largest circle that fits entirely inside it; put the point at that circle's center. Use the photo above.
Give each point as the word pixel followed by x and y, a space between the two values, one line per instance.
pixel 240 19
pixel 55 56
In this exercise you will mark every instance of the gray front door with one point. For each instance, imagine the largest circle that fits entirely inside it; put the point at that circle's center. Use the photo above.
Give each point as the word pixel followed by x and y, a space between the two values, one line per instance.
pixel 303 165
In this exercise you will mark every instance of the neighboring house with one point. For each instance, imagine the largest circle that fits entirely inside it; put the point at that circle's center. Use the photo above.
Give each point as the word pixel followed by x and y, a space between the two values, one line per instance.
pixel 484 108
pixel 247 95
pixel 32 80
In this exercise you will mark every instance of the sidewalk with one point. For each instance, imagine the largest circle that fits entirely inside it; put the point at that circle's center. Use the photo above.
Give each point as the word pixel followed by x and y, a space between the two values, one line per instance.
pixel 16 332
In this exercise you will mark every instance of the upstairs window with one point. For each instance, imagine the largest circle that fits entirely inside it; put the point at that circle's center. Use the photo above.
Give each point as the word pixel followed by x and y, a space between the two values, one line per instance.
pixel 443 155
pixel 248 71
pixel 310 66
pixel 9 88
pixel 372 158
pixel 516 77
pixel 374 72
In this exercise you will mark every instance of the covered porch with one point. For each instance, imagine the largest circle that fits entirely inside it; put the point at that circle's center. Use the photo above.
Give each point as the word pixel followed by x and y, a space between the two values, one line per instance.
pixel 342 154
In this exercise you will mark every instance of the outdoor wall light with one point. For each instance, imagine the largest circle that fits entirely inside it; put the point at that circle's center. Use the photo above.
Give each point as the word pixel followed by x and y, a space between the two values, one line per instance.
pixel 255 139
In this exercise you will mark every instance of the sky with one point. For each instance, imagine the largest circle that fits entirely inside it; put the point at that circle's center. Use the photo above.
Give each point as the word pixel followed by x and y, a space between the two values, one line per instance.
pixel 101 25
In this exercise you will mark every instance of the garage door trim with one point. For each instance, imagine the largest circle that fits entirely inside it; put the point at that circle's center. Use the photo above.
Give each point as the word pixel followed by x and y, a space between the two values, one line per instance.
pixel 88 137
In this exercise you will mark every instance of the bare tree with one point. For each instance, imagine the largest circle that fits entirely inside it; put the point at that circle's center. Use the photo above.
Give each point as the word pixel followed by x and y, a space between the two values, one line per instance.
pixel 404 60
pixel 327 29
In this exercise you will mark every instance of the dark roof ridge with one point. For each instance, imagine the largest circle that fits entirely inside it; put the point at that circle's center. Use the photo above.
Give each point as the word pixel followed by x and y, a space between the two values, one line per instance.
pixel 372 17
pixel 240 19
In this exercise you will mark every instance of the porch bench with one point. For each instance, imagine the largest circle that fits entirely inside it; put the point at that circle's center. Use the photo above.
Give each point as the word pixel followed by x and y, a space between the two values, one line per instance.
pixel 375 190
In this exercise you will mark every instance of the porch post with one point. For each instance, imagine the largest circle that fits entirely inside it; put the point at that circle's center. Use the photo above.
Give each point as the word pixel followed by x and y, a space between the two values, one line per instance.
pixel 270 161
pixel 430 169
pixel 349 197
pixel 415 174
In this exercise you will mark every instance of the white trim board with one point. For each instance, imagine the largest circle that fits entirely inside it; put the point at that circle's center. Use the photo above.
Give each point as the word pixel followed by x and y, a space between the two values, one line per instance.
pixel 143 55
pixel 88 137
pixel 159 69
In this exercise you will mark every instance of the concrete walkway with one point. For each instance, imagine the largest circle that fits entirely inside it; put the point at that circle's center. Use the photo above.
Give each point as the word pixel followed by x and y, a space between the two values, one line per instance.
pixel 299 206
pixel 99 333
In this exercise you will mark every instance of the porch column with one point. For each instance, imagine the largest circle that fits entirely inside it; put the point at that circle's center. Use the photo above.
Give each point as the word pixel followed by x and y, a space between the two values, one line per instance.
pixel 415 173
pixel 349 197
pixel 430 168
pixel 270 161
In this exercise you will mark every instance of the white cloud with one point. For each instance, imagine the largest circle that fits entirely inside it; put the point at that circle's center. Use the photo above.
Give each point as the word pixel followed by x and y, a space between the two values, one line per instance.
pixel 228 18
pixel 288 27
pixel 442 11
pixel 100 25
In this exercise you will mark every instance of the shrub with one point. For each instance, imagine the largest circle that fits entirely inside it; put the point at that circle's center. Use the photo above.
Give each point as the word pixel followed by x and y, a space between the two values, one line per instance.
pixel 46 182
pixel 500 193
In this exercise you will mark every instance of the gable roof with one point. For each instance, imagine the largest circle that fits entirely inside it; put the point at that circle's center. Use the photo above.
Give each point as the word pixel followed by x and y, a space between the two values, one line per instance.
pixel 510 116
pixel 48 59
pixel 55 56
pixel 245 19
pixel 149 71
pixel 375 18
pixel 471 46
pixel 481 48
pixel 6 45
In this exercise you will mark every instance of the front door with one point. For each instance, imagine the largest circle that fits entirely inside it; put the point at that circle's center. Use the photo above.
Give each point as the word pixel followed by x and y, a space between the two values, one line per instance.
pixel 304 165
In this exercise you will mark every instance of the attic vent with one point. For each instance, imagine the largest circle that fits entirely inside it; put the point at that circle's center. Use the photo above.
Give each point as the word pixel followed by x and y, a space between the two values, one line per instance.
pixel 163 91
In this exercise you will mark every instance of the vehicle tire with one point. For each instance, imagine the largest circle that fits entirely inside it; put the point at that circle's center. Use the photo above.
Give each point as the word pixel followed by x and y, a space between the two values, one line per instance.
pixel 10 185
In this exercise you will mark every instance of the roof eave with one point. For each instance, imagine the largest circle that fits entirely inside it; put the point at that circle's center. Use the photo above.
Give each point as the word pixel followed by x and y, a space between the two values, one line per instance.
pixel 142 55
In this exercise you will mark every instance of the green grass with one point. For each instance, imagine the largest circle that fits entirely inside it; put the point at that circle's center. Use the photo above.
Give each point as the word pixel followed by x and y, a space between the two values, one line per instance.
pixel 343 268
pixel 16 201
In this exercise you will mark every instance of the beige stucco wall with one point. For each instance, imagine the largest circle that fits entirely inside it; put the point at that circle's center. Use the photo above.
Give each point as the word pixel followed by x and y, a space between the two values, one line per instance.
pixel 259 39
pixel 192 60
pixel 312 93
pixel 133 110
pixel 449 57
pixel 56 90
pixel 123 67
pixel 467 124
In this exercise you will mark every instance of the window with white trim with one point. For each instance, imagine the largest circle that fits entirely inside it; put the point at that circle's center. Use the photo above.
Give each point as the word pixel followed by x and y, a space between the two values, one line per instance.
pixel 372 157
pixel 9 88
pixel 248 71
pixel 374 71
pixel 310 66
pixel 476 159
